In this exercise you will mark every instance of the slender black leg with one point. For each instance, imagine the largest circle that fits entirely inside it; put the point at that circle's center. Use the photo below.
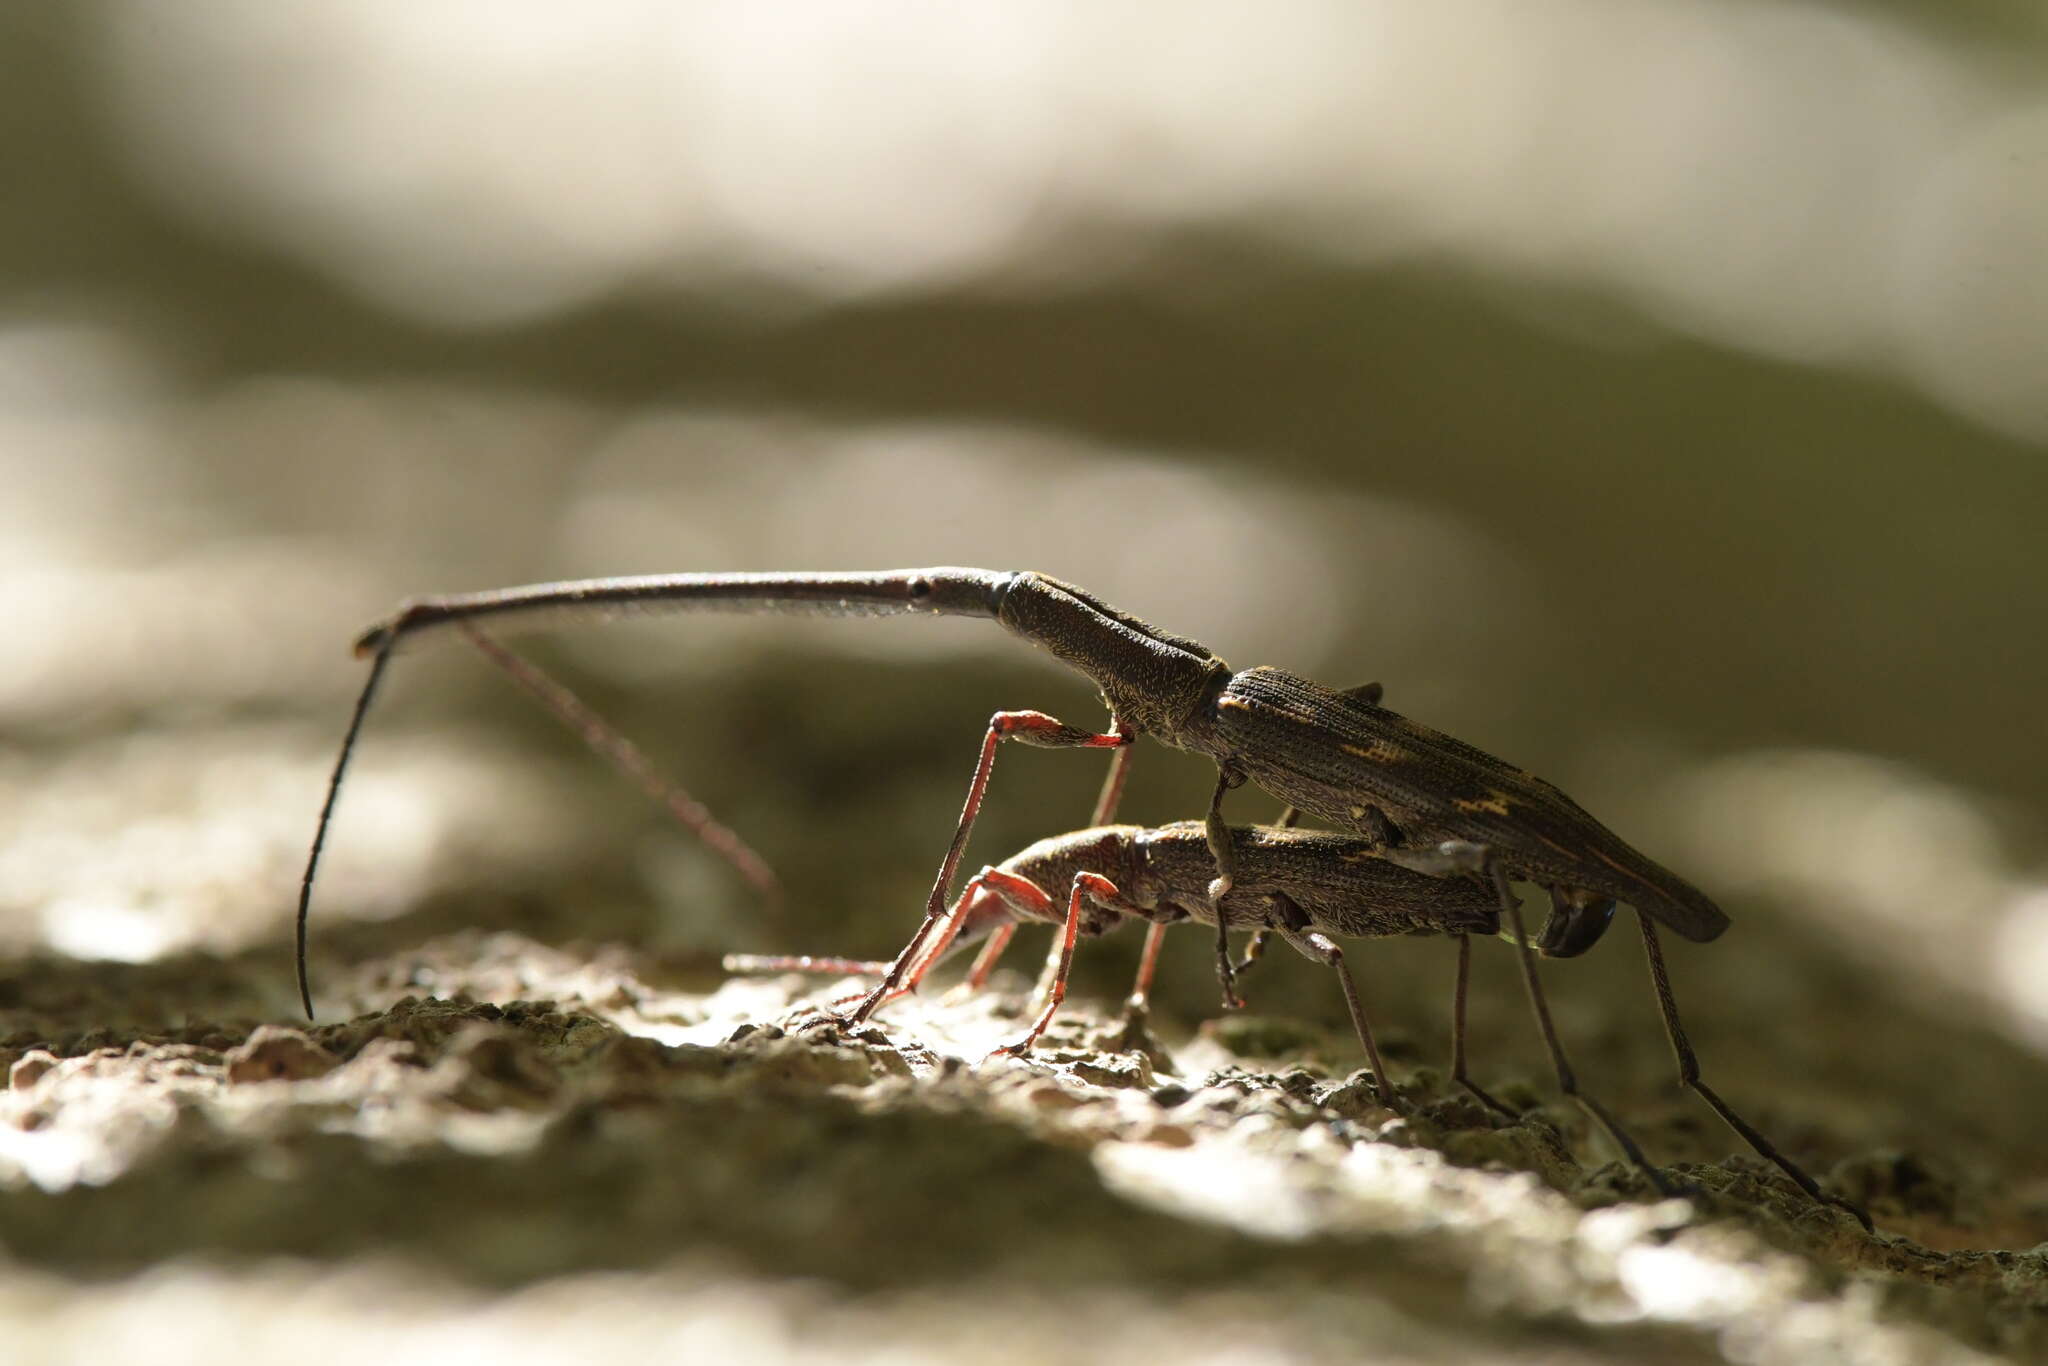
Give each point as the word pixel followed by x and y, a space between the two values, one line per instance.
pixel 1289 816
pixel 1226 877
pixel 1689 1076
pixel 1567 1082
pixel 378 663
pixel 1319 948
pixel 1458 1073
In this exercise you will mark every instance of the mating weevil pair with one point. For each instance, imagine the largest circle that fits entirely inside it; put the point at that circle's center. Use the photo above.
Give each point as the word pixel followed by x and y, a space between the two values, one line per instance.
pixel 1416 798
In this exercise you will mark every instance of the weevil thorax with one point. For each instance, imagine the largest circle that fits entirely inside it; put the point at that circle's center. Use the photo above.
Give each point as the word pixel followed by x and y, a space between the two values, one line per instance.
pixel 1153 682
pixel 1332 756
pixel 1171 867
pixel 1111 851
pixel 1053 861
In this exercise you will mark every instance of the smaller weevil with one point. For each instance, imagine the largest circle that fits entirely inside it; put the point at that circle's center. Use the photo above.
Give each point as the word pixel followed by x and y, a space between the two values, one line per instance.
pixel 1304 887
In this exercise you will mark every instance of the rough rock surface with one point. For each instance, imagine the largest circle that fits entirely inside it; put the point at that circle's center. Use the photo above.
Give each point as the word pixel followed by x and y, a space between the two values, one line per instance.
pixel 628 1166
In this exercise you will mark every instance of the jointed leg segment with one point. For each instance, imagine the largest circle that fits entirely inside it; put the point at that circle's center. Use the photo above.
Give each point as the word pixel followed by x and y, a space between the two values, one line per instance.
pixel 378 663
pixel 985 961
pixel 1318 947
pixel 1689 1076
pixel 1148 964
pixel 1085 884
pixel 1458 1073
pixel 1030 727
pixel 627 757
pixel 1226 877
pixel 1567 1082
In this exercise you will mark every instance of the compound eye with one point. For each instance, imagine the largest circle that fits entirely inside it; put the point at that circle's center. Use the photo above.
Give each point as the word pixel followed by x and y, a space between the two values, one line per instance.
pixel 919 588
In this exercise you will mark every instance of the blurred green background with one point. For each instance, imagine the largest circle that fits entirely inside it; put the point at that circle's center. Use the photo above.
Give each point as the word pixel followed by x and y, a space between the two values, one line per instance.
pixel 1654 395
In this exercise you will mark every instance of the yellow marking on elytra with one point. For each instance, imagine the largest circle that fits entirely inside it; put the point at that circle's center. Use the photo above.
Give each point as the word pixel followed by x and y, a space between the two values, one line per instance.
pixel 1285 713
pixel 1379 752
pixel 1495 802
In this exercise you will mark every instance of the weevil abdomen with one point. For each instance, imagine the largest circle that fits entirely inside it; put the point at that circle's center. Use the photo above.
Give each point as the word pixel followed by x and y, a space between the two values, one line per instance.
pixel 1338 881
pixel 1359 767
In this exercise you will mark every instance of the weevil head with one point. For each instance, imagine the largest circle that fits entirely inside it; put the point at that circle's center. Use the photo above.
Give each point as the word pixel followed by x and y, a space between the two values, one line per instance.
pixel 1577 920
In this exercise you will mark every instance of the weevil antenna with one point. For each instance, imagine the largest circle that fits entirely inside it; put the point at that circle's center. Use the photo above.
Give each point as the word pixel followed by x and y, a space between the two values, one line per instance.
pixel 632 761
pixel 348 748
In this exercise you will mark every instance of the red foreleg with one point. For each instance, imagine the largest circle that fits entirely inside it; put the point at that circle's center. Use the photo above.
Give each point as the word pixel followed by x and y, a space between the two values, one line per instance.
pixel 1084 884
pixel 1030 727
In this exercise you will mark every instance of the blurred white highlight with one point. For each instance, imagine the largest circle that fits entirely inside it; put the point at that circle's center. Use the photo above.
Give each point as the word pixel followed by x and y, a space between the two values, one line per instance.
pixel 1904 869
pixel 1677 1284
pixel 1801 180
pixel 131 850
pixel 2019 959
pixel 124 584
pixel 1172 536
pixel 124 934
